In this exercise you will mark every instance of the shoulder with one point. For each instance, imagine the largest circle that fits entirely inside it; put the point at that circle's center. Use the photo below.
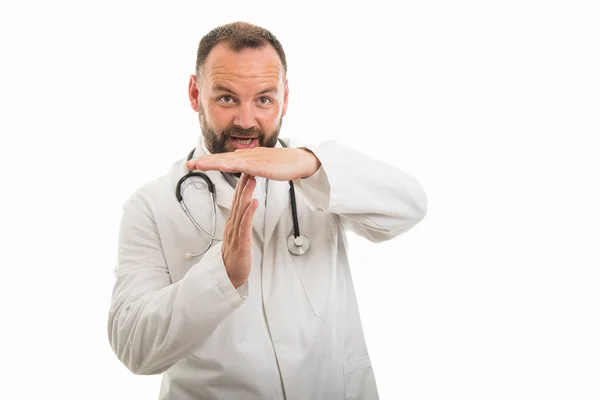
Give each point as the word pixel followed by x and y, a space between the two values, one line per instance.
pixel 294 142
pixel 154 194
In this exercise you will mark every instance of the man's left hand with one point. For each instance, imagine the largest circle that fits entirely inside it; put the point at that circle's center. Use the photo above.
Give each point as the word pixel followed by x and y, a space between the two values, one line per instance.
pixel 279 164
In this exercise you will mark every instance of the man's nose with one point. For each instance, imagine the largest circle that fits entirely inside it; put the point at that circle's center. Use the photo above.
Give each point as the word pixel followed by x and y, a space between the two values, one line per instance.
pixel 245 117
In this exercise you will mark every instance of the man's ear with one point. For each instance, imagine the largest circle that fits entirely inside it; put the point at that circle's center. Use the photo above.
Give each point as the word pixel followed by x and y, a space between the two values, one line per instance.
pixel 286 92
pixel 194 93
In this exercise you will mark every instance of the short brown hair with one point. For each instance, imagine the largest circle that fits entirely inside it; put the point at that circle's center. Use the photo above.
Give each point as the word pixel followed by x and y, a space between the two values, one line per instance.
pixel 239 36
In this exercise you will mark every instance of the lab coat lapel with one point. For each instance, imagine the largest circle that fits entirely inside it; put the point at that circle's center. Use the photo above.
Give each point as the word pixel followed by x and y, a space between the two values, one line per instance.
pixel 277 199
pixel 225 194
pixel 223 189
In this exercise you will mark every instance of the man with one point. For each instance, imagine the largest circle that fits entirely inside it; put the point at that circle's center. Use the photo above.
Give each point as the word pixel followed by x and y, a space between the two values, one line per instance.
pixel 247 319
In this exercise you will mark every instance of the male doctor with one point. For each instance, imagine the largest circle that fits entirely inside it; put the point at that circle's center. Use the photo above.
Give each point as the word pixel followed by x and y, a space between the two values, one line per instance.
pixel 247 319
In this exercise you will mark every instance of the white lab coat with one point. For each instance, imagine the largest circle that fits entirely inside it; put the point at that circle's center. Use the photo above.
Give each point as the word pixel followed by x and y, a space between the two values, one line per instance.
pixel 293 331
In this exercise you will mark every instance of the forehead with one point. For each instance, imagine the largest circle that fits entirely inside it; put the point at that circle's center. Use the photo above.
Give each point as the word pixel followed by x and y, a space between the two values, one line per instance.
pixel 246 66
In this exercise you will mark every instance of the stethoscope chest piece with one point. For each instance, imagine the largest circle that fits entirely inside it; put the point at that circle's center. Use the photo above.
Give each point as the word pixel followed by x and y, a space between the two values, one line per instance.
pixel 298 245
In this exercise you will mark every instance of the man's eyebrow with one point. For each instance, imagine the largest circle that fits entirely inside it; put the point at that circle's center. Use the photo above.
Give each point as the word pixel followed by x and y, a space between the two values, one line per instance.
pixel 268 90
pixel 221 88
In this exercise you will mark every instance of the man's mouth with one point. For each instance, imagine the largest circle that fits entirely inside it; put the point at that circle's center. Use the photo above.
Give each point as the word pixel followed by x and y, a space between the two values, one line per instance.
pixel 244 140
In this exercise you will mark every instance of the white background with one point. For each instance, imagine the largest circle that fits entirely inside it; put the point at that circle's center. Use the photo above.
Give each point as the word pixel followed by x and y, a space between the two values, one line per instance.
pixel 492 106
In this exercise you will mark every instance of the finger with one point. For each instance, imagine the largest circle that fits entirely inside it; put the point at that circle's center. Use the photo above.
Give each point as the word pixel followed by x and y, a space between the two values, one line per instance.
pixel 242 204
pixel 245 200
pixel 235 203
pixel 201 162
pixel 248 162
pixel 240 186
pixel 246 225
pixel 232 165
pixel 213 161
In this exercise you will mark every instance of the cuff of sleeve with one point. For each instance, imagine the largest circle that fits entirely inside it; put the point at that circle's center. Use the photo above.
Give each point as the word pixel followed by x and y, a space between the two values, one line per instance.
pixel 221 279
pixel 316 187
pixel 243 291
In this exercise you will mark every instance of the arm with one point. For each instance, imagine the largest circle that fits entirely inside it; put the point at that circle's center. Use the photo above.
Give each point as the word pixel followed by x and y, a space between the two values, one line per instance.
pixel 153 323
pixel 374 199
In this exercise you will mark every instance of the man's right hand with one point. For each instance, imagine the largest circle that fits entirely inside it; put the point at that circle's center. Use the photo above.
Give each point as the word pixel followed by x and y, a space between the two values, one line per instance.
pixel 237 236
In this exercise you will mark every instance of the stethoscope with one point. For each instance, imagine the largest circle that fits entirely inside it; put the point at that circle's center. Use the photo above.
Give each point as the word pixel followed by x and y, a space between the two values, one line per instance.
pixel 297 243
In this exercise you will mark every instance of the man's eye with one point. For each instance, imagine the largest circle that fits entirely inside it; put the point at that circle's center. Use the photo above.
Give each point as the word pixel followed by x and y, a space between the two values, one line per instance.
pixel 264 100
pixel 226 99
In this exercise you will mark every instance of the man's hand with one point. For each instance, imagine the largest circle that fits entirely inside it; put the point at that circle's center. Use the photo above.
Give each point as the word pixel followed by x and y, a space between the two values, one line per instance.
pixel 237 236
pixel 279 164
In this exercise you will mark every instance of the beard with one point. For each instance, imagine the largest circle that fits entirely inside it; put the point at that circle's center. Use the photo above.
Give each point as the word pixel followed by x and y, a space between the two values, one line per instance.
pixel 217 143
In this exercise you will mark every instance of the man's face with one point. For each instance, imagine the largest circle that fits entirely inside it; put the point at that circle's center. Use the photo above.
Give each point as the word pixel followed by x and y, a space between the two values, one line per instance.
pixel 241 98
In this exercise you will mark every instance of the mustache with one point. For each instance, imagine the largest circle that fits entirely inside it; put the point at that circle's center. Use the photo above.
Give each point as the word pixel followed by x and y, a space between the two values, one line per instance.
pixel 242 133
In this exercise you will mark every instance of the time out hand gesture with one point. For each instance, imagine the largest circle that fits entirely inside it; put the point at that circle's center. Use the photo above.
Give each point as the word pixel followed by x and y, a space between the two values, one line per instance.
pixel 237 236
pixel 279 164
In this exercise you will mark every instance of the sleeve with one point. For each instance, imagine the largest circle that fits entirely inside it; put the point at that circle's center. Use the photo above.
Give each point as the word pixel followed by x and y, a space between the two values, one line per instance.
pixel 375 200
pixel 152 322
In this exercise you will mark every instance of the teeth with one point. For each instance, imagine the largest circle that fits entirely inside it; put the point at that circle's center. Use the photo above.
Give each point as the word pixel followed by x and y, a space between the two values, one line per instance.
pixel 244 141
